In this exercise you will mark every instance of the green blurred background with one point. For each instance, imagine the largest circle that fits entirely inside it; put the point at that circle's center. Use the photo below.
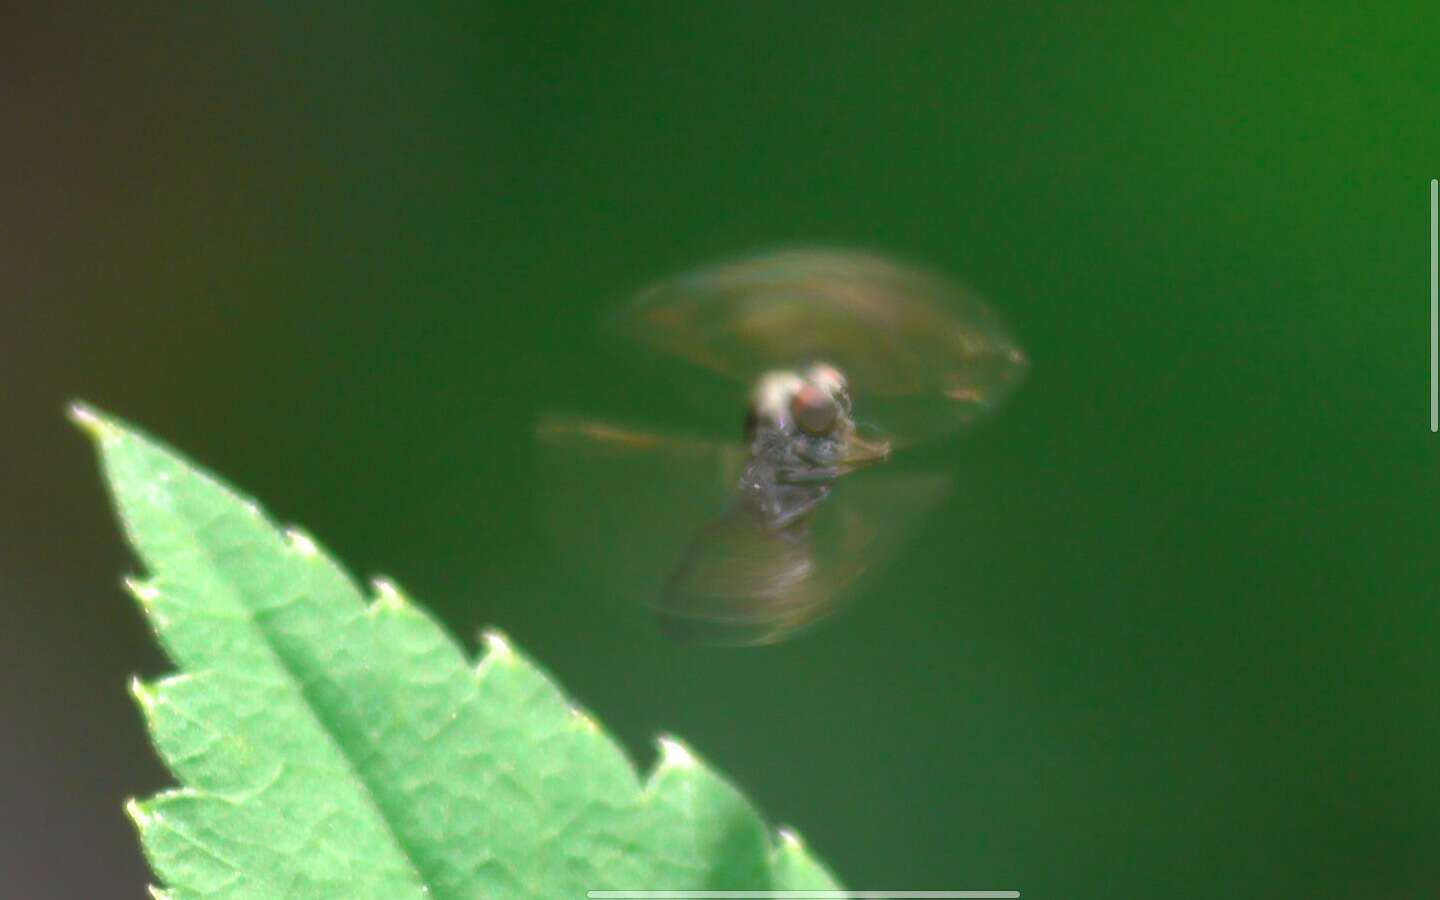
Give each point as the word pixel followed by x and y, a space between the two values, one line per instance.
pixel 1172 637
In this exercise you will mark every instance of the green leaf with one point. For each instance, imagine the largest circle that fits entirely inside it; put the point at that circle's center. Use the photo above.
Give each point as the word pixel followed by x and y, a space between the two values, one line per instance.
pixel 333 745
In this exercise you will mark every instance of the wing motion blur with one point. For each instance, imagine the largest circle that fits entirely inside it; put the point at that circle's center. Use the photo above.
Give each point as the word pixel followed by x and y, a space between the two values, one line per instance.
pixel 928 354
pixel 656 519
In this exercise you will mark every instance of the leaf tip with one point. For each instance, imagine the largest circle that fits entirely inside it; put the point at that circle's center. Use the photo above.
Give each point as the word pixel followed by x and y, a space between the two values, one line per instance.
pixel 674 755
pixel 584 720
pixel 159 893
pixel 790 839
pixel 301 543
pixel 143 694
pixel 144 592
pixel 89 420
pixel 387 597
pixel 497 647
pixel 139 814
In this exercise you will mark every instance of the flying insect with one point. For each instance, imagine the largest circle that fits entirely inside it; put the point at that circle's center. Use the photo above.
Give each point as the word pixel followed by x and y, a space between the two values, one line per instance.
pixel 851 361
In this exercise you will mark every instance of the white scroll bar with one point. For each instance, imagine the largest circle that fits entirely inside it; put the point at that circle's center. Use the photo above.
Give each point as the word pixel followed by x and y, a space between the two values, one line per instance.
pixel 1434 305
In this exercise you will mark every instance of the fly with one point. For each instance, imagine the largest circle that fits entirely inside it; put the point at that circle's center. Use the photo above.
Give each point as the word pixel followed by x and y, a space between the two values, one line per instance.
pixel 788 530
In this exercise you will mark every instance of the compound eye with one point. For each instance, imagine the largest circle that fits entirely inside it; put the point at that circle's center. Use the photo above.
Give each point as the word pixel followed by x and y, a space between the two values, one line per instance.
pixel 830 379
pixel 814 410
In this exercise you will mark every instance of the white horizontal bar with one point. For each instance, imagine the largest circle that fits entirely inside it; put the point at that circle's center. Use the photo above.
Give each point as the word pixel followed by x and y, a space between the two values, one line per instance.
pixel 803 895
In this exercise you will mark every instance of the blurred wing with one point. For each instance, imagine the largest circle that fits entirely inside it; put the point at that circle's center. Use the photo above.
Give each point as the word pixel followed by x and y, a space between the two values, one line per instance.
pixel 740 583
pixel 622 503
pixel 923 355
